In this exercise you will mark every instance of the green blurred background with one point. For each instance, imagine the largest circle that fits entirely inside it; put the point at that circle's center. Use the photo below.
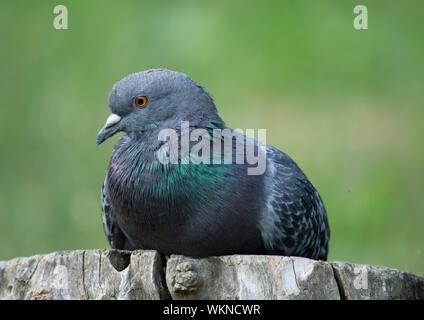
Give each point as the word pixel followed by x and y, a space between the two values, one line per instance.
pixel 347 105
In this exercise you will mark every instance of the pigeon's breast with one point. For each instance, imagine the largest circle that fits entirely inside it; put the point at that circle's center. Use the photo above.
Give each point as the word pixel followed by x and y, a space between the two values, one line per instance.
pixel 137 182
pixel 192 209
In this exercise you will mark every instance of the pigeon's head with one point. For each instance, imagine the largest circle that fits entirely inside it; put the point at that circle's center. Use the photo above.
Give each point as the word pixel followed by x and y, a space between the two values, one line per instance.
pixel 144 102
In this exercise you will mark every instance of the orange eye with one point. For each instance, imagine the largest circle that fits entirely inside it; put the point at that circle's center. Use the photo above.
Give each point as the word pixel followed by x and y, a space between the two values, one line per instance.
pixel 141 101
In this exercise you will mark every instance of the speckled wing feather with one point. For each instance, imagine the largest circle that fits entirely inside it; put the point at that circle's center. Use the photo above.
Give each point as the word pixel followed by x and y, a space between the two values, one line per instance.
pixel 294 220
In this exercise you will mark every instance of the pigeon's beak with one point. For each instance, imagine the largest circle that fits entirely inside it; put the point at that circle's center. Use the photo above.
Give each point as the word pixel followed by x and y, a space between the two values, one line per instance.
pixel 111 127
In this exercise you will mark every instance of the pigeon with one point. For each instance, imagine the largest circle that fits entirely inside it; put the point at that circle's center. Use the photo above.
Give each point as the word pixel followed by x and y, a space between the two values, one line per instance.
pixel 157 197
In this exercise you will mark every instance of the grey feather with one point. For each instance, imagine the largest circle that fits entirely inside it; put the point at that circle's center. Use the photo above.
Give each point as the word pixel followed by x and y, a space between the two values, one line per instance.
pixel 199 210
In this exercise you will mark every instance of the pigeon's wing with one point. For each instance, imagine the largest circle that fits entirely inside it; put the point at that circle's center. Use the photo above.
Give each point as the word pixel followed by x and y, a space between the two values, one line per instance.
pixel 113 232
pixel 294 219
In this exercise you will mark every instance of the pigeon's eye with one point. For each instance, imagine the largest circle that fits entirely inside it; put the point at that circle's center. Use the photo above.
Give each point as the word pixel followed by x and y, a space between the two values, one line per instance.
pixel 141 101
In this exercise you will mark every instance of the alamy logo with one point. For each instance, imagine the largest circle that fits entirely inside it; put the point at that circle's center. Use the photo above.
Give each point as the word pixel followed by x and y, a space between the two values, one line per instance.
pixel 223 146
pixel 360 280
pixel 61 20
pixel 361 20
